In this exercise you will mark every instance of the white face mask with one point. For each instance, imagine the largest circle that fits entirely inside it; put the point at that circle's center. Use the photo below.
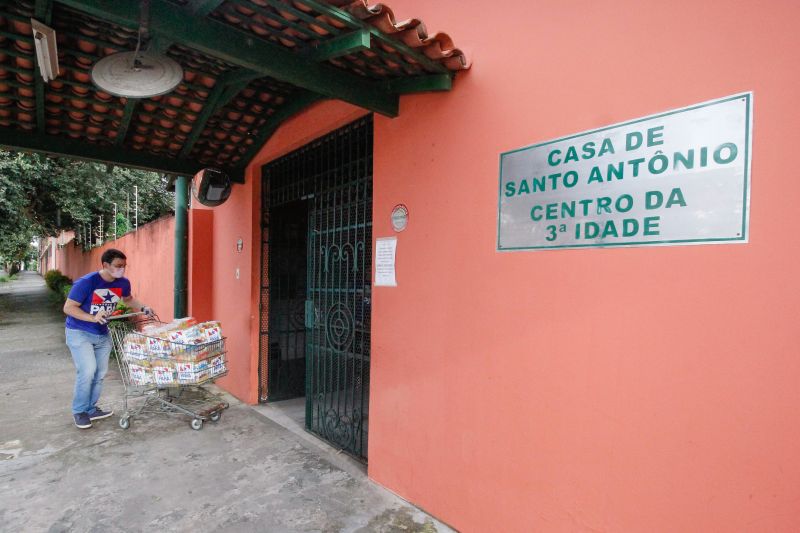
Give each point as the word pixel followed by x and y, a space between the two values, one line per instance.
pixel 116 272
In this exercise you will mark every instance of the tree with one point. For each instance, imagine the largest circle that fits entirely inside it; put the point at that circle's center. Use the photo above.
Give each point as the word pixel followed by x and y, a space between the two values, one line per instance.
pixel 42 196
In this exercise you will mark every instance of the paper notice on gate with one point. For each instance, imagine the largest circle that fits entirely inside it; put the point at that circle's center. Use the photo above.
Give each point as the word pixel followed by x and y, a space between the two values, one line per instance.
pixel 385 252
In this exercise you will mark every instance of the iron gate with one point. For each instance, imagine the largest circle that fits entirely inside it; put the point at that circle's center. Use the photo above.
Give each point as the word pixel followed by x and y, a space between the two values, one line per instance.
pixel 334 175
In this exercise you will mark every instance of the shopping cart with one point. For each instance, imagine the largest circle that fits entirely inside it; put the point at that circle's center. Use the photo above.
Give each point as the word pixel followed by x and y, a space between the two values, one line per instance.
pixel 164 377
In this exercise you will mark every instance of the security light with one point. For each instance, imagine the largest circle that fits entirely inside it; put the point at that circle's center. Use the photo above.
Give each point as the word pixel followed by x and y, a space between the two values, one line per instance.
pixel 211 187
pixel 44 37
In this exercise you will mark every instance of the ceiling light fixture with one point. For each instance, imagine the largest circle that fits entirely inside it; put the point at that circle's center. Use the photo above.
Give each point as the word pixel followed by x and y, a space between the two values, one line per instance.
pixel 44 37
pixel 137 74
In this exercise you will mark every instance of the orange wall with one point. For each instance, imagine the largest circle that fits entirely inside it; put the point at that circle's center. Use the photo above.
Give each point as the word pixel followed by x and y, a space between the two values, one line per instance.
pixel 641 389
pixel 151 260
pixel 645 389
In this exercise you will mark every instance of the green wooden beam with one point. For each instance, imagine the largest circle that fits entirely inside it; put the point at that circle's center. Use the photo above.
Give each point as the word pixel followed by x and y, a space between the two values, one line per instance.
pixel 239 48
pixel 242 75
pixel 40 103
pixel 291 107
pixel 227 86
pixel 342 45
pixel 43 11
pixel 418 84
pixel 80 149
pixel 354 22
pixel 158 44
pixel 125 122
pixel 201 8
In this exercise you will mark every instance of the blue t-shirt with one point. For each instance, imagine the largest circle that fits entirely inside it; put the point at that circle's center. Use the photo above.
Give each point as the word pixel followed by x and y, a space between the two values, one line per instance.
pixel 94 293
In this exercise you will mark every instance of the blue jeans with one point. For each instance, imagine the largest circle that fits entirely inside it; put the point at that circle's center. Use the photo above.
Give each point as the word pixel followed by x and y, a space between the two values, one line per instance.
pixel 90 354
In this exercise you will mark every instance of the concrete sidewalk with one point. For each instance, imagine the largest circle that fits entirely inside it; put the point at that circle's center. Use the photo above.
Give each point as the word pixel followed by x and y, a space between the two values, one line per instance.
pixel 244 473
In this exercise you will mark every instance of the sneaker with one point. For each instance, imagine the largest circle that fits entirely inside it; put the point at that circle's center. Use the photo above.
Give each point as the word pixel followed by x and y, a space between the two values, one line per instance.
pixel 98 413
pixel 82 420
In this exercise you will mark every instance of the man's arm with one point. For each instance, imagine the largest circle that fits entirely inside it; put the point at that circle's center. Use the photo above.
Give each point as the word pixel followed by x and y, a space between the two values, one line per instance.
pixel 133 303
pixel 73 309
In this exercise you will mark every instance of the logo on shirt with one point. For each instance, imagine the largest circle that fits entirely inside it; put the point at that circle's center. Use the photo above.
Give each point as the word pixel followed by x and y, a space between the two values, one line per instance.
pixel 105 299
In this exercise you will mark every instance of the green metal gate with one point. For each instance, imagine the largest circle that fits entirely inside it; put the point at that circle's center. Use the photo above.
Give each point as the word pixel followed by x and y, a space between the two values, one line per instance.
pixel 334 176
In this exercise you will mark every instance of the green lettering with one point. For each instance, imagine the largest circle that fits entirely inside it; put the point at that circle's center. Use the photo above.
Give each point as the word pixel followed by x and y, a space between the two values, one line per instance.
pixel 627 206
pixel 733 151
pixel 603 204
pixel 616 172
pixel 610 230
pixel 510 188
pixel 595 175
pixel 523 188
pixel 588 150
pixel 630 227
pixel 687 161
pixel 676 197
pixel 550 158
pixel 570 179
pixel 653 199
pixel 633 140
pixel 651 226
pixel 534 216
pixel 552 211
pixel 572 155
pixel 568 209
pixel 606 148
pixel 654 135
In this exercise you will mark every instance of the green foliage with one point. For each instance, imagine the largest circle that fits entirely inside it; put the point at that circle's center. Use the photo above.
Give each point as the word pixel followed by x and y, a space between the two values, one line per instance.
pixel 65 288
pixel 41 196
pixel 56 281
pixel 6 279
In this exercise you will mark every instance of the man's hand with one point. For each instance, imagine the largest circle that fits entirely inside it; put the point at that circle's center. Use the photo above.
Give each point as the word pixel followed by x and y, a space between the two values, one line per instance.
pixel 100 317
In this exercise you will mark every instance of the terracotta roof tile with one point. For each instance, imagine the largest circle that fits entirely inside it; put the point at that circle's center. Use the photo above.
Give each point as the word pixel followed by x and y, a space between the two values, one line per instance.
pixel 163 125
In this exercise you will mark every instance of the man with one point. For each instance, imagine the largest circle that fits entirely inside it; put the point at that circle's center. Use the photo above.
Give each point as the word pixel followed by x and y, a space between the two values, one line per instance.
pixel 91 299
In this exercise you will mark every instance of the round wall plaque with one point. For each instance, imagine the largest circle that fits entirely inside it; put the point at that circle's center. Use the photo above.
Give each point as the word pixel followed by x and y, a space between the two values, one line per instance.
pixel 399 217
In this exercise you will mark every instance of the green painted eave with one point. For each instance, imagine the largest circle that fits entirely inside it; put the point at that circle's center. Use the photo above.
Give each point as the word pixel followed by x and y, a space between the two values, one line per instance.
pixel 59 146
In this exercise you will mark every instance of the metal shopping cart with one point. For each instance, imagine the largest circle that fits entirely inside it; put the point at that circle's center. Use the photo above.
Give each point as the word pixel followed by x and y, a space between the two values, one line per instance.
pixel 166 377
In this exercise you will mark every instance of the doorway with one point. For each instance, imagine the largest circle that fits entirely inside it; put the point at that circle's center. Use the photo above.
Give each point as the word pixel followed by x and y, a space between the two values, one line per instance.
pixel 316 288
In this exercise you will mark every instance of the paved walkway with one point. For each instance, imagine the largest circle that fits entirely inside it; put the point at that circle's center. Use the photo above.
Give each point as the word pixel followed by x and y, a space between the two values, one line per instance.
pixel 244 473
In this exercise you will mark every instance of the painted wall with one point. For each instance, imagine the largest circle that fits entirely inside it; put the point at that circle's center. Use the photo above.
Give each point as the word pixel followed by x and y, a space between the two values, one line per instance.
pixel 642 389
pixel 151 260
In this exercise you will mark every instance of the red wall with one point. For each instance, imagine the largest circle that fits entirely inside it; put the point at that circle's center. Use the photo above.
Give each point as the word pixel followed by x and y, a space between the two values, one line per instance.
pixel 641 389
pixel 200 274
pixel 151 260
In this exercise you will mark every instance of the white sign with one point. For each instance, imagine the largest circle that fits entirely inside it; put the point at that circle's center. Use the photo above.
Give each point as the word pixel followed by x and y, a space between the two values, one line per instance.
pixel 681 177
pixel 385 251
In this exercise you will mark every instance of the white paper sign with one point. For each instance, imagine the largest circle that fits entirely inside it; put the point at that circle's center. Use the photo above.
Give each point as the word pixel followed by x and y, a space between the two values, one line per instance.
pixel 385 251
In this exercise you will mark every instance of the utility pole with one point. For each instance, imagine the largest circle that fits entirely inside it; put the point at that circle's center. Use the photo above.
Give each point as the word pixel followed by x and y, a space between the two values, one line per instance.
pixel 101 229
pixel 115 221
pixel 89 240
pixel 136 206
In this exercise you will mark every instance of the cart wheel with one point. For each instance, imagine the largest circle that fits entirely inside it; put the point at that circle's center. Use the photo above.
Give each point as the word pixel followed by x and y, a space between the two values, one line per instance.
pixel 215 416
pixel 125 422
pixel 196 423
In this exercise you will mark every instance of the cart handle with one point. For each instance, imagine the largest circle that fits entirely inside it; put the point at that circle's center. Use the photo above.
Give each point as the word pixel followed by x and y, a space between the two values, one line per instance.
pixel 126 315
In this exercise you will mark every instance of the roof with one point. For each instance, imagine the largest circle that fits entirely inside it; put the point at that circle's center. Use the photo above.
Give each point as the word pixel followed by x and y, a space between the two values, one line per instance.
pixel 248 65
